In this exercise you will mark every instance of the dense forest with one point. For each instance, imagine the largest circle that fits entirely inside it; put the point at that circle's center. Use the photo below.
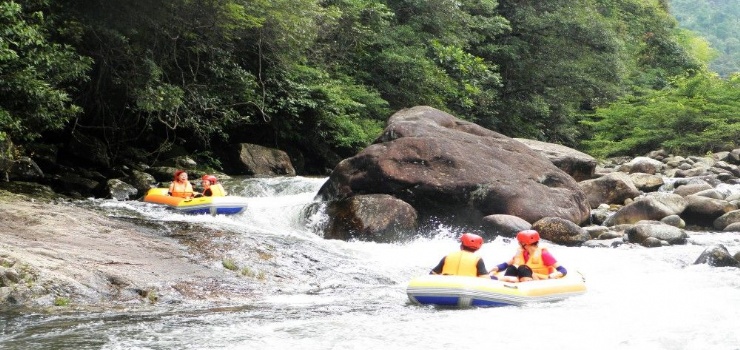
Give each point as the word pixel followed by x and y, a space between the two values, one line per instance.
pixel 718 22
pixel 146 79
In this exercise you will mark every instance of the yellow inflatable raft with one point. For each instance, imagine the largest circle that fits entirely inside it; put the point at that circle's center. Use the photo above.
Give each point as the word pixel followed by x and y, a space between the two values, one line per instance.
pixel 463 291
pixel 226 205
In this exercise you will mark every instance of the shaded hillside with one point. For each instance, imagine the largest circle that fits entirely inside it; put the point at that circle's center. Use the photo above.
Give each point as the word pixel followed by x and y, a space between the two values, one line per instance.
pixel 717 21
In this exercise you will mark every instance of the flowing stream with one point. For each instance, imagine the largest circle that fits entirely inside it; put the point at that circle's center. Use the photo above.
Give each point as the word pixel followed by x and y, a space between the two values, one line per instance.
pixel 637 298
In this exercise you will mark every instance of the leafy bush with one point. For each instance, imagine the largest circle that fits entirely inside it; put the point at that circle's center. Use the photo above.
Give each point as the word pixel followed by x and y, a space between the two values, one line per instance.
pixel 695 115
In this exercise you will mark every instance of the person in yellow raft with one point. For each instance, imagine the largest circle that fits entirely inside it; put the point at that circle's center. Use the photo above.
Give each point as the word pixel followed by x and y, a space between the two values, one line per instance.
pixel 464 262
pixel 211 187
pixel 180 186
pixel 531 262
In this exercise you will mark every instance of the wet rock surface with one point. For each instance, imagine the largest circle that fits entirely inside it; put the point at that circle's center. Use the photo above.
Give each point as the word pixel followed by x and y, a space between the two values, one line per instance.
pixel 54 253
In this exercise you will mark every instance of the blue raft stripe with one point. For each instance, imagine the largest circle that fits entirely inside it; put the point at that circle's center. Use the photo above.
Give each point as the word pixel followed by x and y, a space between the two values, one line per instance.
pixel 210 208
pixel 478 297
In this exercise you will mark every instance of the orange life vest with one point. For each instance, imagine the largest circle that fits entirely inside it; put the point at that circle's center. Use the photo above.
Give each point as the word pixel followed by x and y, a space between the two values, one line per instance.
pixel 461 263
pixel 534 262
pixel 184 190
pixel 216 191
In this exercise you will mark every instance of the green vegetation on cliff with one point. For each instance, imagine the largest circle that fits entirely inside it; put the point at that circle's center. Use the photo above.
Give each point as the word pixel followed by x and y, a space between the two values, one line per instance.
pixel 694 116
pixel 319 78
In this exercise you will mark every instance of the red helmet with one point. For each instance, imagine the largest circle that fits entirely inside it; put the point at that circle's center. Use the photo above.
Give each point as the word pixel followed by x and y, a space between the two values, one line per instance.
pixel 528 237
pixel 471 241
pixel 210 178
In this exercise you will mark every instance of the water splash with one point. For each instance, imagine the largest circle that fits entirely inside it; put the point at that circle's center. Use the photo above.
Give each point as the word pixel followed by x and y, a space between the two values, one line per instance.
pixel 351 295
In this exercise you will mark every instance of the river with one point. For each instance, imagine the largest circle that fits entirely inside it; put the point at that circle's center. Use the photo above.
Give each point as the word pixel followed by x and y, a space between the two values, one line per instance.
pixel 354 298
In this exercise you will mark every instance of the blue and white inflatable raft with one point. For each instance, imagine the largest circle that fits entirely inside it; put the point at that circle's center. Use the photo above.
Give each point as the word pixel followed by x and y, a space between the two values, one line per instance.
pixel 463 291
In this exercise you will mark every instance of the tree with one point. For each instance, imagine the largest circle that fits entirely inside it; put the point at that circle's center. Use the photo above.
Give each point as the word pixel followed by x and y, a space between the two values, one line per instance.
pixel 432 53
pixel 565 58
pixel 560 57
pixel 164 70
pixel 36 74
pixel 204 72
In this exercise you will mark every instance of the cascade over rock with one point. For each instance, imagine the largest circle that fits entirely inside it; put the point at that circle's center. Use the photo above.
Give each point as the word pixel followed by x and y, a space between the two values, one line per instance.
pixel 457 171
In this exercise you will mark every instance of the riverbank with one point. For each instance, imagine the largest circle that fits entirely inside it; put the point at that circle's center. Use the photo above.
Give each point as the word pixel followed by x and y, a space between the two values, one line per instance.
pixel 54 254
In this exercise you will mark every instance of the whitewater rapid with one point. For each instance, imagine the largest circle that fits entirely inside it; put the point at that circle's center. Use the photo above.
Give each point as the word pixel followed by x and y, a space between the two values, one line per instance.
pixel 637 298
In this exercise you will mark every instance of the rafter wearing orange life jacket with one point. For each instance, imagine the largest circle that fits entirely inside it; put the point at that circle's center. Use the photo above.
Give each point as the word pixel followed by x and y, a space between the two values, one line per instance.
pixel 182 189
pixel 534 261
pixel 216 190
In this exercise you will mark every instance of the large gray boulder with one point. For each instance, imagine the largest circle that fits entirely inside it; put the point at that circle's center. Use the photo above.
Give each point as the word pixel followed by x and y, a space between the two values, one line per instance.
pixel 726 219
pixel 120 190
pixel 380 218
pixel 718 256
pixel 613 188
pixel 704 210
pixel 734 156
pixel 654 206
pixel 689 189
pixel 250 159
pixel 648 234
pixel 561 231
pixel 504 225
pixel 143 182
pixel 579 165
pixel 456 170
pixel 647 182
pixel 643 165
pixel 25 169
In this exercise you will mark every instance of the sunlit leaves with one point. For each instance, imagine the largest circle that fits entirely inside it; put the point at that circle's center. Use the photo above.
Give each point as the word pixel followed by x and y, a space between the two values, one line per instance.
pixel 695 115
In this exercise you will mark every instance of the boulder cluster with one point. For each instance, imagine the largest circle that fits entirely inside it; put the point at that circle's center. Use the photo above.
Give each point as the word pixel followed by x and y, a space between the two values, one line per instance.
pixel 650 200
pixel 447 171
pixel 429 167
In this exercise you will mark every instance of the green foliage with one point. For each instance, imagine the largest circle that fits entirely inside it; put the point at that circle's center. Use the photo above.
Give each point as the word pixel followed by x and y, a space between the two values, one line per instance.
pixel 61 301
pixel 322 76
pixel 695 115
pixel 36 75
pixel 653 40
pixel 229 264
pixel 432 53
pixel 717 21
pixel 471 75
pixel 559 57
pixel 315 107
pixel 565 57
pixel 697 46
pixel 165 67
